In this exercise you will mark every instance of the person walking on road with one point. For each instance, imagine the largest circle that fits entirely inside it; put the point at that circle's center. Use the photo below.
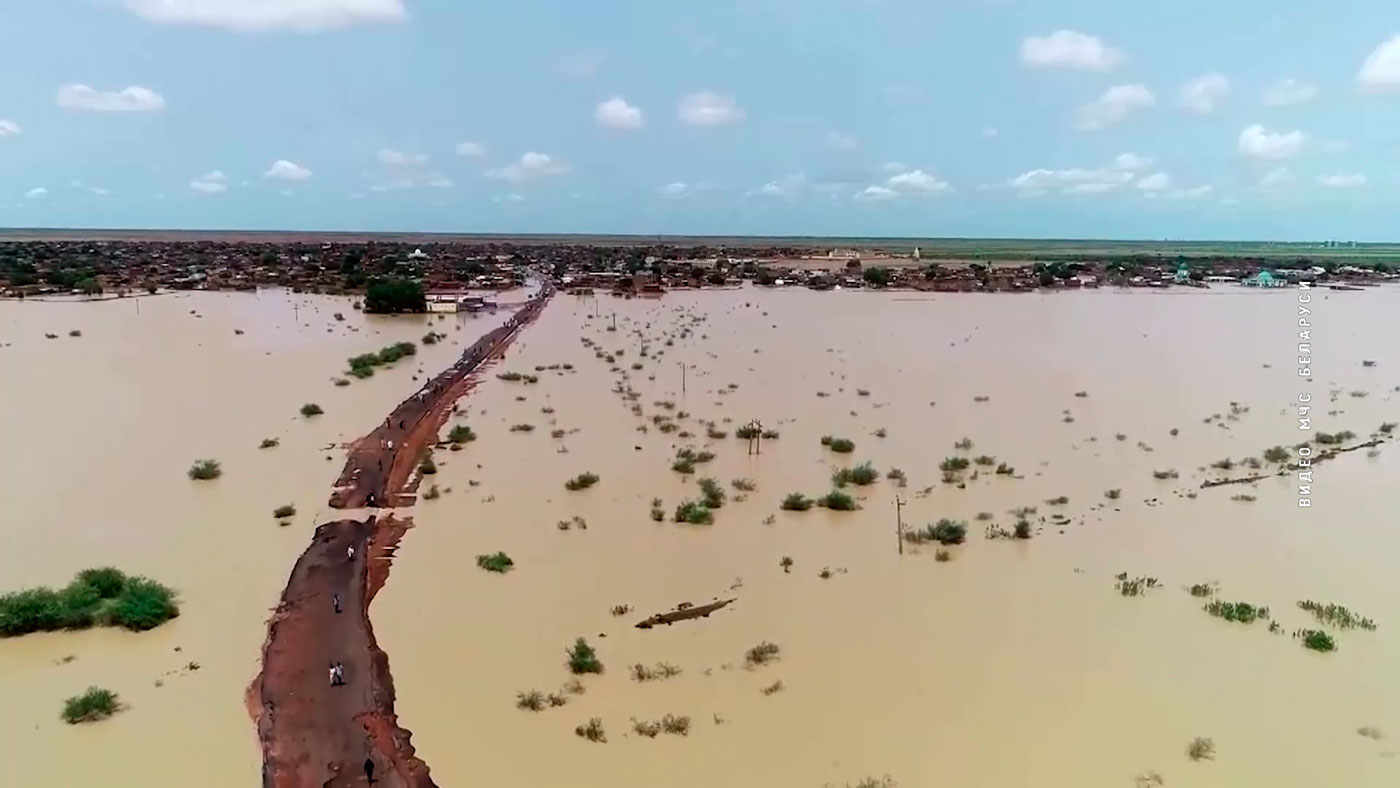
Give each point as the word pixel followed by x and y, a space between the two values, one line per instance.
pixel 350 552
pixel 369 770
pixel 335 602
pixel 332 671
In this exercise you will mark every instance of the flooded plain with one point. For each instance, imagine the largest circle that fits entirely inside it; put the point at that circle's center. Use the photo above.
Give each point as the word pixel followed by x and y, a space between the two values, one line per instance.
pixel 1013 663
pixel 99 432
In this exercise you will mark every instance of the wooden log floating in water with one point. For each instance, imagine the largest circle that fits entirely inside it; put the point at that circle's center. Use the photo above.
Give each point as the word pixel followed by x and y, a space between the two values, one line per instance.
pixel 682 613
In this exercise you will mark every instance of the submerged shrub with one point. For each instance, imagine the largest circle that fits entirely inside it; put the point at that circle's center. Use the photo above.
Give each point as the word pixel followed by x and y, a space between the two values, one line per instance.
pixel 662 671
pixel 839 445
pixel 204 470
pixel 838 501
pixel 744 485
pixel 269 443
pixel 142 604
pixel 796 502
pixel 91 706
pixel 762 654
pixel 1201 749
pixel 284 511
pixel 311 409
pixel 582 481
pixel 694 513
pixel 862 474
pixel 583 659
pixel 1242 612
pixel 1336 615
pixel 1316 640
pixel 711 493
pixel 592 731
pixel 530 701
pixel 461 433
pixel 954 464
pixel 495 562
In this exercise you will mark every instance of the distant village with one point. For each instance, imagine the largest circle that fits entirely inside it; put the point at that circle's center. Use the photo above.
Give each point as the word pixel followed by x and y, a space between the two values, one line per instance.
pixel 447 271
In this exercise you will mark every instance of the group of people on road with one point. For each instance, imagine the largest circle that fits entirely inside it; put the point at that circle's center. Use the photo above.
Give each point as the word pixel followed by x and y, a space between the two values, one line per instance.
pixel 337 674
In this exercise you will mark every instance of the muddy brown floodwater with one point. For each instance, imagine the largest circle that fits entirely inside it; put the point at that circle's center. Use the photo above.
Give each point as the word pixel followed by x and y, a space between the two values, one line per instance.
pixel 1015 663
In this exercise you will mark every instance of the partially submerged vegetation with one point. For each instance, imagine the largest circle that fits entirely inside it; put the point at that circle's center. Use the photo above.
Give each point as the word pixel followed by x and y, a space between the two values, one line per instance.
pixel 582 481
pixel 762 654
pixel 204 470
pixel 1135 586
pixel 944 532
pixel 583 659
pixel 104 596
pixel 362 366
pixel 796 502
pixel 839 445
pixel 1316 640
pixel 91 706
pixel 1241 612
pixel 1336 616
pixel 495 562
pixel 838 501
pixel 694 513
pixel 461 433
pixel 311 409
pixel 862 474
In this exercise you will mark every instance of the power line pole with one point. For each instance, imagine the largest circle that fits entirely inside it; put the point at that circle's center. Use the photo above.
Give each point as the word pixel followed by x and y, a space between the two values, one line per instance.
pixel 681 364
pixel 899 522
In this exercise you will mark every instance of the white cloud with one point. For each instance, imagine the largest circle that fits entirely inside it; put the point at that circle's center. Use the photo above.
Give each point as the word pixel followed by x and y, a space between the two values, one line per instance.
pixel 1156 182
pixel 989 131
pixel 786 186
pixel 393 158
pixel 529 166
pixel 1203 94
pixel 708 109
pixel 1259 143
pixel 98 191
pixel 615 113
pixel 876 194
pixel 838 141
pixel 38 193
pixel 1071 181
pixel 1279 176
pixel 470 149
pixel 1191 193
pixel 9 128
pixel 674 190
pixel 1113 106
pixel 1342 181
pixel 283 170
pixel 303 16
pixel 437 180
pixel 512 197
pixel 1132 162
pixel 1381 71
pixel 916 182
pixel 892 166
pixel 1069 49
pixel 1289 91
pixel 210 183
pixel 132 99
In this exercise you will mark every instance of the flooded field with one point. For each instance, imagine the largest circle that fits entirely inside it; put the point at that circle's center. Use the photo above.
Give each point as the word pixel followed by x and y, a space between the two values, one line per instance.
pixel 1014 662
pixel 99 432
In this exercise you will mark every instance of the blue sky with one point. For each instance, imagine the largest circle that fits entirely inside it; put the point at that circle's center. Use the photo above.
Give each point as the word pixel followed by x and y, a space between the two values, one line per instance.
pixel 1003 118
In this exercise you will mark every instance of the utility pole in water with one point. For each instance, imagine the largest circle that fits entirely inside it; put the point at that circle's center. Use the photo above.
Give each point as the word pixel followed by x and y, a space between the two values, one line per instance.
pixel 681 364
pixel 899 523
